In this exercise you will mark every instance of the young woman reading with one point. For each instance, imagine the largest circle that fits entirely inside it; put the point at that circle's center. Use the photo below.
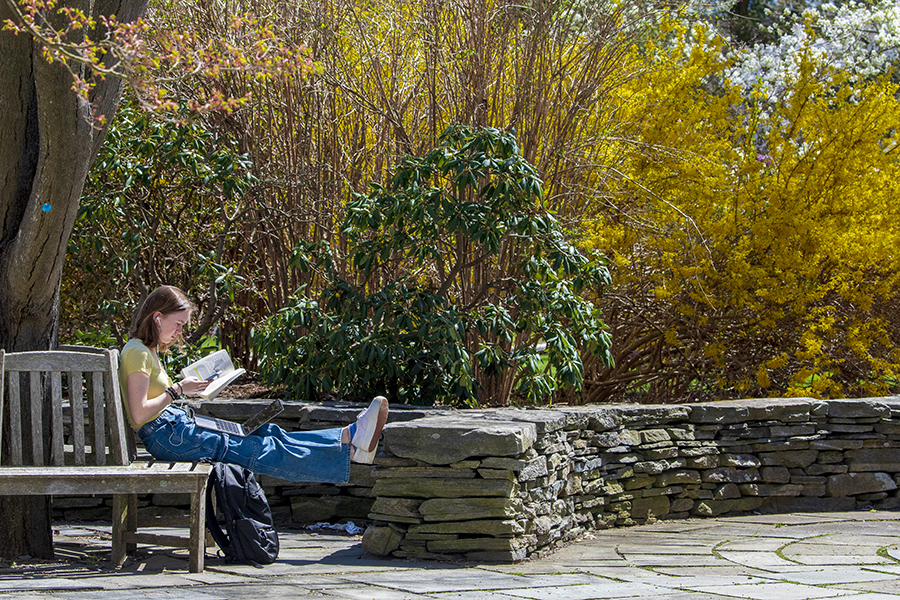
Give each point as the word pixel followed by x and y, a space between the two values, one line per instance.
pixel 168 433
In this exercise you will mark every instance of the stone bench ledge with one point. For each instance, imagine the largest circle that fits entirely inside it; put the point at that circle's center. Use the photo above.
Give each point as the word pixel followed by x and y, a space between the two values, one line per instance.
pixel 450 438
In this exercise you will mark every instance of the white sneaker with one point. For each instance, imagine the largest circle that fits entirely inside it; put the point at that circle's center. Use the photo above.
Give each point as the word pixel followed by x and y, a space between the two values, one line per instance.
pixel 362 457
pixel 369 424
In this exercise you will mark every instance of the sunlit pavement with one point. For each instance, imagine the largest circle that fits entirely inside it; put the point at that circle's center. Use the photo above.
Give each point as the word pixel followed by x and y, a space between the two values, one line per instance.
pixel 767 557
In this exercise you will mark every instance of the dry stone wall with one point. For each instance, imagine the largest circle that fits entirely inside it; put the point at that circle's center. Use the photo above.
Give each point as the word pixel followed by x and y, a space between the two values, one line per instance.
pixel 501 485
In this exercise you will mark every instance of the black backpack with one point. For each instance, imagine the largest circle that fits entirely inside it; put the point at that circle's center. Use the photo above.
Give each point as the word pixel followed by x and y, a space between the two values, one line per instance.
pixel 249 536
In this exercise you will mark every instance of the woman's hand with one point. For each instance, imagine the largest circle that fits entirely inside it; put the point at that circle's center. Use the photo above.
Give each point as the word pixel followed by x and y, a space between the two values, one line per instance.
pixel 191 386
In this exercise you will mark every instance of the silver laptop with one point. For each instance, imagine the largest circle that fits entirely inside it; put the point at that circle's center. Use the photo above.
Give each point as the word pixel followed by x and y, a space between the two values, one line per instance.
pixel 241 429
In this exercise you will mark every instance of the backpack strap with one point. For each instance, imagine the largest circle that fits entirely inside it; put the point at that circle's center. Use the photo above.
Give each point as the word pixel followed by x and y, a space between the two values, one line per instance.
pixel 212 522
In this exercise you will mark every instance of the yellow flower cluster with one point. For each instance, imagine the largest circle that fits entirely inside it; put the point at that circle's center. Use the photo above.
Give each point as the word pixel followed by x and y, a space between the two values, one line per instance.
pixel 762 234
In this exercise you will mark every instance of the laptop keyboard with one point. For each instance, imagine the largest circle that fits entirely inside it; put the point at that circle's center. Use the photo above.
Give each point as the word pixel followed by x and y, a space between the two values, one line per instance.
pixel 228 426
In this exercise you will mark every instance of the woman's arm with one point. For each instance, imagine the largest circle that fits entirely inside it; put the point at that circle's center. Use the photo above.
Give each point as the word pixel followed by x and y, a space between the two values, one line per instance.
pixel 143 408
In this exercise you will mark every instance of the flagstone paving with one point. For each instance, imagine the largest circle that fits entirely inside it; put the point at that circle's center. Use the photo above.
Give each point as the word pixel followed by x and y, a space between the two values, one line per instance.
pixel 785 557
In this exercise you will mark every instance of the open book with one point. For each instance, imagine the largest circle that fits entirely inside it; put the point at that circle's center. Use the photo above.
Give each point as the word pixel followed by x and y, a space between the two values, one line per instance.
pixel 216 367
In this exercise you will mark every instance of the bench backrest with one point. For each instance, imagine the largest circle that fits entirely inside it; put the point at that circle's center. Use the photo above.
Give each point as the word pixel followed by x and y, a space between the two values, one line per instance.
pixel 61 408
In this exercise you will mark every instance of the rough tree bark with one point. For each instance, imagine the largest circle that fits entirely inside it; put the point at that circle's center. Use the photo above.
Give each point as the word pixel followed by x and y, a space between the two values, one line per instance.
pixel 48 139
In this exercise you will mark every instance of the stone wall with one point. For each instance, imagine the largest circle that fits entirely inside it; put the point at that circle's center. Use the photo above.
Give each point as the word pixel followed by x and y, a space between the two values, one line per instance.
pixel 500 485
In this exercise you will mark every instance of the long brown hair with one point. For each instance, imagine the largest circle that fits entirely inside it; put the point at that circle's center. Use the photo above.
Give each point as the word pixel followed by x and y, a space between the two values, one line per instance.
pixel 165 299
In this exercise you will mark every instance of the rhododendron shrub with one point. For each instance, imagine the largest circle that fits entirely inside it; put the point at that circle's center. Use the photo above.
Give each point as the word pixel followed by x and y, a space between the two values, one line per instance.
pixel 394 75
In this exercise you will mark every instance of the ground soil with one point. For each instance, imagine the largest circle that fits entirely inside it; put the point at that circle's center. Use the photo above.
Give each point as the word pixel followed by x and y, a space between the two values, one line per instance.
pixel 249 386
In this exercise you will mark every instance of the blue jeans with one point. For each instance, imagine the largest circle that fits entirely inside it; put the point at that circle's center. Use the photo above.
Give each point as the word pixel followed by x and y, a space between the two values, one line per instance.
pixel 310 456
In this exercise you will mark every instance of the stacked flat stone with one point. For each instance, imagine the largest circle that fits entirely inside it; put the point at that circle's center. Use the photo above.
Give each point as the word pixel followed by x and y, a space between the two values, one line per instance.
pixel 434 500
pixel 503 484
pixel 304 504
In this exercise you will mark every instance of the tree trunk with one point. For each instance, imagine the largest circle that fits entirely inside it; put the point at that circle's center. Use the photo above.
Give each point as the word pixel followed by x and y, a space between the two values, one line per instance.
pixel 48 140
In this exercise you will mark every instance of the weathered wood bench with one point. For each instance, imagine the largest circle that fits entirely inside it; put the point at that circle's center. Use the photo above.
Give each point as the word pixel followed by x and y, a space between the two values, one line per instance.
pixel 65 434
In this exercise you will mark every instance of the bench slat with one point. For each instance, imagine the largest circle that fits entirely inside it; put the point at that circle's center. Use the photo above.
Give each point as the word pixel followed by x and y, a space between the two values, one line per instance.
pixel 156 539
pixel 151 467
pixel 56 420
pixel 61 481
pixel 76 407
pixel 15 421
pixel 37 431
pixel 98 418
pixel 54 361
pixel 2 399
pixel 115 415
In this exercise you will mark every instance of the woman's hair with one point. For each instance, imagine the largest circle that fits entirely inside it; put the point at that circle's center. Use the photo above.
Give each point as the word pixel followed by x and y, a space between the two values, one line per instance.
pixel 165 299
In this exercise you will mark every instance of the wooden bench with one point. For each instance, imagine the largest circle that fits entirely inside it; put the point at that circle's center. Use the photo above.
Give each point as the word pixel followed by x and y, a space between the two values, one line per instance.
pixel 66 435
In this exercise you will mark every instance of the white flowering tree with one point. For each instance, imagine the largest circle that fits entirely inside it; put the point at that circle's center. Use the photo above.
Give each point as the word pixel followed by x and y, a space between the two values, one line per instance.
pixel 842 44
pixel 861 39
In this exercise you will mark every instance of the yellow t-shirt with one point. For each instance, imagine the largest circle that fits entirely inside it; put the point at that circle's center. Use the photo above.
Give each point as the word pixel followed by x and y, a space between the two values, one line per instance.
pixel 135 356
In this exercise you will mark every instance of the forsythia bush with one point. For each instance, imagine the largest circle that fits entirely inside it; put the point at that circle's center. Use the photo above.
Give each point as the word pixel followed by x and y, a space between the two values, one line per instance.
pixel 756 237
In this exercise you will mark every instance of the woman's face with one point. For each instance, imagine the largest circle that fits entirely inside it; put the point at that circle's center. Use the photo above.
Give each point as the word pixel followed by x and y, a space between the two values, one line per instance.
pixel 171 325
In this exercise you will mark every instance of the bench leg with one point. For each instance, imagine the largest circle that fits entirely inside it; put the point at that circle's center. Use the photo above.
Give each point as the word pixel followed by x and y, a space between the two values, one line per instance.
pixel 197 549
pixel 131 521
pixel 124 521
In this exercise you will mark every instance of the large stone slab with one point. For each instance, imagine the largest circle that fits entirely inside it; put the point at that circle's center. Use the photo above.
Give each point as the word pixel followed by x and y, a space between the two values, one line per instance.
pixel 489 544
pixel 851 484
pixel 449 439
pixel 751 409
pixel 637 415
pixel 786 504
pixel 306 510
pixel 836 444
pixel 677 477
pixel 461 509
pixel 790 458
pixel 546 420
pixel 874 459
pixel 851 409
pixel 714 508
pixel 643 509
pixel 769 489
pixel 400 507
pixel 719 413
pixel 595 418
pixel 605 419
pixel 381 540
pixel 443 488
pixel 422 473
pixel 731 475
pixel 417 580
pixel 346 412
pixel 504 528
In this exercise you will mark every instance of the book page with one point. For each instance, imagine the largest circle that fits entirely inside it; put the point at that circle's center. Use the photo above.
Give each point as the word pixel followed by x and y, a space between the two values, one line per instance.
pixel 218 384
pixel 217 365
